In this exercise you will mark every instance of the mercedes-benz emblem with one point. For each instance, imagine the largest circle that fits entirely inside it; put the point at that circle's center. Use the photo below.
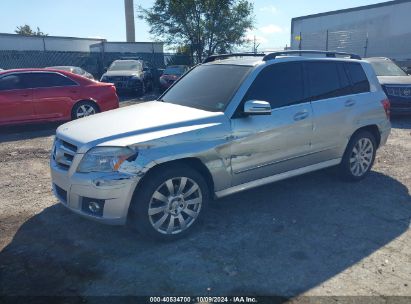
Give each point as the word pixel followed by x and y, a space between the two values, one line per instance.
pixel 407 92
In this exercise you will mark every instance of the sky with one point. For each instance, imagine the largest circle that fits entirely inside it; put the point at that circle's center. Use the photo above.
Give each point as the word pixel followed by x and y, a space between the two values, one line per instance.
pixel 105 18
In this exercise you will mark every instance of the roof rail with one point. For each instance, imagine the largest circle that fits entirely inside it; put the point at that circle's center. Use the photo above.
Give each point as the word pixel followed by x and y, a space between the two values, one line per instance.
pixel 225 56
pixel 331 54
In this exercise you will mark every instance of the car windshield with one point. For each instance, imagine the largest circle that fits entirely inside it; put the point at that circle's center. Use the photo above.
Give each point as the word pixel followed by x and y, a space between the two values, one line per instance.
pixel 208 87
pixel 174 70
pixel 125 66
pixel 387 68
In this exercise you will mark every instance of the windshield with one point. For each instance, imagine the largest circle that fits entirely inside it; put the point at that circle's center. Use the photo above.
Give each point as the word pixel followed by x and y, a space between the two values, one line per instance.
pixel 125 66
pixel 208 87
pixel 387 68
pixel 174 70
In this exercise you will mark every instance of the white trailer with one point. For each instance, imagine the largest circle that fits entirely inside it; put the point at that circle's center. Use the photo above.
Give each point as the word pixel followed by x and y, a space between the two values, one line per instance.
pixel 382 29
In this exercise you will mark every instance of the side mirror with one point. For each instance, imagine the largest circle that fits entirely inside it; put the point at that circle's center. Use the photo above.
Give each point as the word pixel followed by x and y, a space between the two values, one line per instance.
pixel 257 107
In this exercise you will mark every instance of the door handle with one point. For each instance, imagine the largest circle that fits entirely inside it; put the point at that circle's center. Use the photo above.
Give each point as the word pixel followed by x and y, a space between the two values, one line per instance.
pixel 300 115
pixel 25 95
pixel 349 103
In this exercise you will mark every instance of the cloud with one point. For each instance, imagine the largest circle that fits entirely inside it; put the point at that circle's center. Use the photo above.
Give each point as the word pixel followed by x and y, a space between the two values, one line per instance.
pixel 269 9
pixel 271 29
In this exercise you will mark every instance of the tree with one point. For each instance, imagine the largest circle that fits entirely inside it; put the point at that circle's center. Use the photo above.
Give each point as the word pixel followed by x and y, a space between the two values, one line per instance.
pixel 206 26
pixel 27 31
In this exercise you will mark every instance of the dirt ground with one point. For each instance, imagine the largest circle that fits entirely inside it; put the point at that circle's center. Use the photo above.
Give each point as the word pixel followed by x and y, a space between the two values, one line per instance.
pixel 310 235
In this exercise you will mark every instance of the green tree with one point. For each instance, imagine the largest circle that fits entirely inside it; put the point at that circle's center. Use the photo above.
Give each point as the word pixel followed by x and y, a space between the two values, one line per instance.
pixel 27 31
pixel 205 26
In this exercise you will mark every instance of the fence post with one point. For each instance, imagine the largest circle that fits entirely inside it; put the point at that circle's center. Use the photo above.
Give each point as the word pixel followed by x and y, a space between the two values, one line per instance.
pixel 326 42
pixel 366 46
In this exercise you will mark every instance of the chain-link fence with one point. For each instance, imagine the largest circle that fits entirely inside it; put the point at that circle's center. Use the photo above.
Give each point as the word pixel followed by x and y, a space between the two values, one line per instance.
pixel 93 62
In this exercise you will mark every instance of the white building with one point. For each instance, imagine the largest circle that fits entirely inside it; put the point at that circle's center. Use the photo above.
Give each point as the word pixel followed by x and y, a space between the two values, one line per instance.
pixel 382 29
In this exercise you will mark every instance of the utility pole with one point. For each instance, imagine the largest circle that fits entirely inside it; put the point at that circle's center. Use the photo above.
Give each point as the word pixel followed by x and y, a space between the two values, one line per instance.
pixel 130 27
pixel 255 45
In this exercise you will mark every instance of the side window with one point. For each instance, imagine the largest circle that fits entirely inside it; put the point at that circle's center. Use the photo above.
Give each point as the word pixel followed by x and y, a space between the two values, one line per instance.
pixel 279 84
pixel 344 80
pixel 11 82
pixel 358 78
pixel 324 80
pixel 47 80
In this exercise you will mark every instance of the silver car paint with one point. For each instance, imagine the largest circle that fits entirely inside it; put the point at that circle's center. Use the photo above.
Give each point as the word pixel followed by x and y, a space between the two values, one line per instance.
pixel 239 153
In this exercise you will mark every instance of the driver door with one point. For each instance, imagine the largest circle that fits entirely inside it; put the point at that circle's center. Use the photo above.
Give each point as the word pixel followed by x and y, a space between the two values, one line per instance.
pixel 265 145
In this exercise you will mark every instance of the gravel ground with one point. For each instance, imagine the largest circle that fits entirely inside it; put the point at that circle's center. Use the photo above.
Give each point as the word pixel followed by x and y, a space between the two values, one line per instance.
pixel 311 235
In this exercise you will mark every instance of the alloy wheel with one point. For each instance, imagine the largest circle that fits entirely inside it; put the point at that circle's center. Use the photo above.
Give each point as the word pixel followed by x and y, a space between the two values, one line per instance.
pixel 175 205
pixel 85 110
pixel 361 157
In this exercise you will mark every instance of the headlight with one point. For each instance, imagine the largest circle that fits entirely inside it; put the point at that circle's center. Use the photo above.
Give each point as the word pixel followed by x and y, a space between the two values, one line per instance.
pixel 105 159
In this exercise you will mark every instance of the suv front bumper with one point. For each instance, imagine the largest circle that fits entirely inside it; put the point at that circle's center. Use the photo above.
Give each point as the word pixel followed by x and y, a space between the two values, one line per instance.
pixel 112 192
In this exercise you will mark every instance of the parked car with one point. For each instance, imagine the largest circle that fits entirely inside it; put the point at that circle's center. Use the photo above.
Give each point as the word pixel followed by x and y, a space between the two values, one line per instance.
pixel 133 76
pixel 73 69
pixel 39 95
pixel 171 74
pixel 230 124
pixel 395 82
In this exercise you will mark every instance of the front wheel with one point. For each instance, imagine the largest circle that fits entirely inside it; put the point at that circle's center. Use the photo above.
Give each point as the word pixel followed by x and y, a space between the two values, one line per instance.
pixel 359 156
pixel 169 203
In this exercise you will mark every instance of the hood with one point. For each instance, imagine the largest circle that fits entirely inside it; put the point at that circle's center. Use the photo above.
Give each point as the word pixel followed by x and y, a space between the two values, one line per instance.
pixel 122 73
pixel 134 124
pixel 394 80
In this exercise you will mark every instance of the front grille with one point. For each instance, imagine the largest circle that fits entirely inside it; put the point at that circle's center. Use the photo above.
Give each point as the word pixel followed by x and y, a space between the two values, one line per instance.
pixel 118 78
pixel 64 153
pixel 399 91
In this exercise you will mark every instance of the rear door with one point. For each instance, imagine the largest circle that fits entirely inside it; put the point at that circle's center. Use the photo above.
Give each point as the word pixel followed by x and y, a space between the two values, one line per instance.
pixel 53 94
pixel 334 102
pixel 271 144
pixel 15 99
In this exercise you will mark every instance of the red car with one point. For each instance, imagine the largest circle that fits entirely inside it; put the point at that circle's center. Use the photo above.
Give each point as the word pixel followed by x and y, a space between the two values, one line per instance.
pixel 171 74
pixel 39 95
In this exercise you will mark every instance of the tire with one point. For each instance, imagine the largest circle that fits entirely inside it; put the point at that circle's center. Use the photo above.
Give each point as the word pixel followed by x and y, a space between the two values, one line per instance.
pixel 162 210
pixel 83 109
pixel 358 157
pixel 141 90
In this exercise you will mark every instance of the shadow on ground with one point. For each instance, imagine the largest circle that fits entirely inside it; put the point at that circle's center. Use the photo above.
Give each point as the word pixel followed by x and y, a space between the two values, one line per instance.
pixel 281 239
pixel 401 122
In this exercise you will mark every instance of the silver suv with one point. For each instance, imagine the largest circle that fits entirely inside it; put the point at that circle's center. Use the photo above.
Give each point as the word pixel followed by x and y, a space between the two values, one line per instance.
pixel 233 123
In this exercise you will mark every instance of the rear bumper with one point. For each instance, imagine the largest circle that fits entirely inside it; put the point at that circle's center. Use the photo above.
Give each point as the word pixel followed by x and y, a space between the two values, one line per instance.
pixel 400 105
pixel 113 191
pixel 385 130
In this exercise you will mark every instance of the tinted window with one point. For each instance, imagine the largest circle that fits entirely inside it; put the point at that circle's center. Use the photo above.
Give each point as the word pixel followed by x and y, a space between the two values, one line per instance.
pixel 358 78
pixel 324 80
pixel 279 84
pixel 345 85
pixel 11 82
pixel 207 87
pixel 47 80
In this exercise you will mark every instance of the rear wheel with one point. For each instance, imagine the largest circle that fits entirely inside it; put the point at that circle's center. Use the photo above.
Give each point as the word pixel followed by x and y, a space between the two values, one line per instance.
pixel 83 109
pixel 359 156
pixel 169 203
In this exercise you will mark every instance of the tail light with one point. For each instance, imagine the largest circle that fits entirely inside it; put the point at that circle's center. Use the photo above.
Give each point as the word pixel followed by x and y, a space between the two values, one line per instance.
pixel 386 104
